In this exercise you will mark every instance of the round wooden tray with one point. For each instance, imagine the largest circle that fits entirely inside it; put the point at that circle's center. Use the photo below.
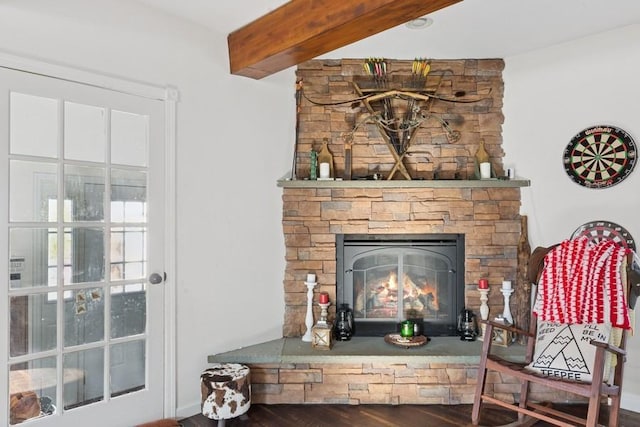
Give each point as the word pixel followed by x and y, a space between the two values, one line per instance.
pixel 398 340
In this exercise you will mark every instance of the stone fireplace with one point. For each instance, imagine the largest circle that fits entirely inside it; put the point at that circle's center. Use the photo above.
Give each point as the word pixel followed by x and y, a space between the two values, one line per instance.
pixel 316 213
pixel 366 370
pixel 444 197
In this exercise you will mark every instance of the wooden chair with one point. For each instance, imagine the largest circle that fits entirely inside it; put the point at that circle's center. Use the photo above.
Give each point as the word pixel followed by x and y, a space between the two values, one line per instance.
pixel 529 413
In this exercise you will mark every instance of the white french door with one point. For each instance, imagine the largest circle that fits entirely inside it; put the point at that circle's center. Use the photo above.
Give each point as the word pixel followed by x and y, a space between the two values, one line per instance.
pixel 82 253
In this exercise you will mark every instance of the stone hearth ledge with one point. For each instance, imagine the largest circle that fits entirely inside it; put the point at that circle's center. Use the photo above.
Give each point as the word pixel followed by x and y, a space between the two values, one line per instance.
pixel 449 350
pixel 285 182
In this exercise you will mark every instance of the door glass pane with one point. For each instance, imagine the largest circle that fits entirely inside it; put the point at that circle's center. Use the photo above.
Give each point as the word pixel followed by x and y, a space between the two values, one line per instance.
pixel 127 370
pixel 128 196
pixel 91 389
pixel 84 132
pixel 33 125
pixel 117 255
pixel 84 188
pixel 128 253
pixel 84 317
pixel 33 324
pixel 87 254
pixel 134 244
pixel 34 251
pixel 33 191
pixel 129 135
pixel 128 310
pixel 32 388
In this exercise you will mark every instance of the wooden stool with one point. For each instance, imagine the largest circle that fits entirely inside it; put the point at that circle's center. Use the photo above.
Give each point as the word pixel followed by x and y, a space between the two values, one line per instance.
pixel 226 391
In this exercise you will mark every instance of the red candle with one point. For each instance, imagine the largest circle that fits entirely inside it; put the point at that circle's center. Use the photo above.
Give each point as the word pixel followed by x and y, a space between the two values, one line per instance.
pixel 323 298
pixel 483 284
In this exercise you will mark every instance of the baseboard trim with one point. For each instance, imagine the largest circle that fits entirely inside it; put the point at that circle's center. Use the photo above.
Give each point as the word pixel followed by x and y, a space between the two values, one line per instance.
pixel 188 411
pixel 630 401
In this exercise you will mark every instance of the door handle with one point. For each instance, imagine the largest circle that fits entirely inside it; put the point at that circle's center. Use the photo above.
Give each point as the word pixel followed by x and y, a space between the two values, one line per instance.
pixel 156 278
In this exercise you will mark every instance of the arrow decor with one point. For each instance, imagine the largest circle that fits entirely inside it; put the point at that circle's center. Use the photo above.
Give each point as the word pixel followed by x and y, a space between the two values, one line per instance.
pixel 397 113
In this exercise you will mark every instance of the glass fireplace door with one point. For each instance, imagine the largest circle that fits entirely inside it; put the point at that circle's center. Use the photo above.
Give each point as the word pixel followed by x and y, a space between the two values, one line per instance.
pixel 387 283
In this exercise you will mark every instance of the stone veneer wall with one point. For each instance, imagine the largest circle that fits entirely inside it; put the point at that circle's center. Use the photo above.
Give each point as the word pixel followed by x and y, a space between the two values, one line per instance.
pixel 377 383
pixel 487 216
pixel 326 113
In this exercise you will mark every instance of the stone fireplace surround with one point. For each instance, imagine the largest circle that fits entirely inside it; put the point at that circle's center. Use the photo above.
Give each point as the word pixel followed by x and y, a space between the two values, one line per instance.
pixel 443 197
pixel 486 212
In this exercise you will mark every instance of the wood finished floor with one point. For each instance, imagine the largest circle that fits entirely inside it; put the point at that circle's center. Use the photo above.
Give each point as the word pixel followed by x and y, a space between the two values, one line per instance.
pixel 379 416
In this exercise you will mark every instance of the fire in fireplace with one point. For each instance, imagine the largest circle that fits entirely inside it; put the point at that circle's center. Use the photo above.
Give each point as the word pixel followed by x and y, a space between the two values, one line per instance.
pixel 386 279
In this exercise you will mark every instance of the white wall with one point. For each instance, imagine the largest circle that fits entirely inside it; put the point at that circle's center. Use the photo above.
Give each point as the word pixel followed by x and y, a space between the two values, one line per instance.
pixel 235 138
pixel 551 95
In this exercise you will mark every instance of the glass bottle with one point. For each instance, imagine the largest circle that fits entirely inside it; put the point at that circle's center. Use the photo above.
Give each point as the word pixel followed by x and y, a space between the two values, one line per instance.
pixel 481 154
pixel 313 165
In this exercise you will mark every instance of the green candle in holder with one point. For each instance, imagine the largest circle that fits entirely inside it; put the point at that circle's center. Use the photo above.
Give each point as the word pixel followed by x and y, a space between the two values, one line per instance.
pixel 406 329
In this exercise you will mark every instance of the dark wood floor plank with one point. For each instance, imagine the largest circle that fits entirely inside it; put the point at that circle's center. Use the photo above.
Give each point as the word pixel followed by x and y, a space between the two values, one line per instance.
pixel 381 416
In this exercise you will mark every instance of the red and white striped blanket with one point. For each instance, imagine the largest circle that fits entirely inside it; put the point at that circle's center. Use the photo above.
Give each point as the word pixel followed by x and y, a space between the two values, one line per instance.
pixel 581 283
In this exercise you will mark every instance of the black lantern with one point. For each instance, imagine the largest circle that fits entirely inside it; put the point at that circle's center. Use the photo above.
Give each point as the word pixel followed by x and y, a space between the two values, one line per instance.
pixel 343 329
pixel 467 325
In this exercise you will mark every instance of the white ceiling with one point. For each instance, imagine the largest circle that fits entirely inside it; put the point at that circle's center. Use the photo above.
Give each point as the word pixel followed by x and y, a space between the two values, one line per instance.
pixel 469 29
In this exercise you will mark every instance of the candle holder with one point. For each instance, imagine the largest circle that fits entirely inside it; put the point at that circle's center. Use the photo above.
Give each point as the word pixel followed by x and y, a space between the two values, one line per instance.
pixel 323 313
pixel 506 314
pixel 484 309
pixel 502 337
pixel 322 332
pixel 309 317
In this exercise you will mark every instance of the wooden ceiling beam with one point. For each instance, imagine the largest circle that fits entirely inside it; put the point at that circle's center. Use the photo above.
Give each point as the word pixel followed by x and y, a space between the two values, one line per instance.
pixel 301 30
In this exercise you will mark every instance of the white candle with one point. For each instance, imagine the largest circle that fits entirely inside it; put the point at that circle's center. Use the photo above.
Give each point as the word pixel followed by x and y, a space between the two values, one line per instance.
pixel 485 170
pixel 324 170
pixel 511 173
pixel 311 278
pixel 506 284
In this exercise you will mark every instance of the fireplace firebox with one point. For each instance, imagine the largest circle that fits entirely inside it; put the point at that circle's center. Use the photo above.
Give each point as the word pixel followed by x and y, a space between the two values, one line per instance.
pixel 386 279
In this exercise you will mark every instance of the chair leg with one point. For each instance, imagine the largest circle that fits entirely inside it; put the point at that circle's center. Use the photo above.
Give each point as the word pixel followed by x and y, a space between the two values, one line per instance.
pixel 481 377
pixel 524 395
pixel 477 398
pixel 593 411
pixel 614 411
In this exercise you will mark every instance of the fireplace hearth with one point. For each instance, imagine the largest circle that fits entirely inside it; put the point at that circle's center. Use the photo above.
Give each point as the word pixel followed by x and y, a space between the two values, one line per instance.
pixel 386 279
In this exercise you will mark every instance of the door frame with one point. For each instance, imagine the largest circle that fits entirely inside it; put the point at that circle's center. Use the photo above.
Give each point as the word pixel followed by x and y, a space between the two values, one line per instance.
pixel 169 95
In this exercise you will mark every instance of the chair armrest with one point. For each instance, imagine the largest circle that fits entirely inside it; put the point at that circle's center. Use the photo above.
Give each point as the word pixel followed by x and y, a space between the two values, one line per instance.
pixel 610 348
pixel 508 328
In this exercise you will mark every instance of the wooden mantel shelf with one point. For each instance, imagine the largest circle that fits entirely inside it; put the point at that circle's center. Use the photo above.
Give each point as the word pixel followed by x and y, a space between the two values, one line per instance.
pixel 473 183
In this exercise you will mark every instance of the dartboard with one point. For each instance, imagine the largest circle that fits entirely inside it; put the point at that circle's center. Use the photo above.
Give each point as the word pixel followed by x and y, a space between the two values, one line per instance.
pixel 597 231
pixel 600 157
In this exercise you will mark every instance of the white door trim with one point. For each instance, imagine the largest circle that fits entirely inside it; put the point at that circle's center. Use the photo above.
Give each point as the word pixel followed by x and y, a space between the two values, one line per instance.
pixel 87 77
pixel 169 95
